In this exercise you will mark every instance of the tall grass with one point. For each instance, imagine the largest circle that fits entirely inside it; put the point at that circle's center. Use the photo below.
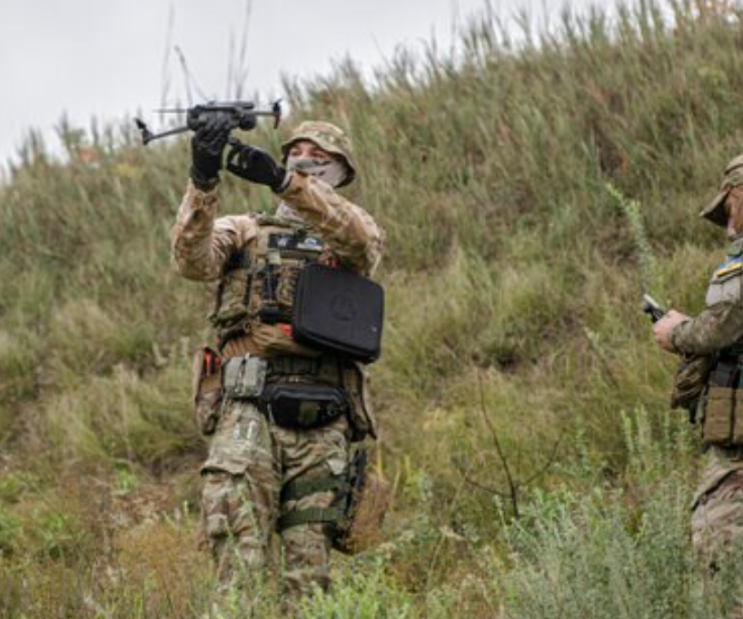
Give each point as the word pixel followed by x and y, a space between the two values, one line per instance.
pixel 507 261
pixel 610 552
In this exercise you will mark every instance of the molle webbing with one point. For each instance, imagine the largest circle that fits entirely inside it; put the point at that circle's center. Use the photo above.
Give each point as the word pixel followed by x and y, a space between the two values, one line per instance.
pixel 257 286
pixel 269 311
pixel 296 490
pixel 326 369
pixel 329 515
pixel 293 366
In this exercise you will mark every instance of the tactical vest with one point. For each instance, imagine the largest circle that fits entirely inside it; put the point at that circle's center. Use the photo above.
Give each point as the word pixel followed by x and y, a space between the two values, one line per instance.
pixel 722 403
pixel 254 305
pixel 725 284
pixel 255 296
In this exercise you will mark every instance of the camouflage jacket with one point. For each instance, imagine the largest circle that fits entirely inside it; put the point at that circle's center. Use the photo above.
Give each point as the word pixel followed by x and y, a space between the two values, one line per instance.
pixel 204 248
pixel 201 242
pixel 720 325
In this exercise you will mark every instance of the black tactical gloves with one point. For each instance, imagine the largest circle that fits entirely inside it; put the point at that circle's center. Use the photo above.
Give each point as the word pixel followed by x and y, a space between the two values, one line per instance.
pixel 206 150
pixel 248 162
pixel 257 166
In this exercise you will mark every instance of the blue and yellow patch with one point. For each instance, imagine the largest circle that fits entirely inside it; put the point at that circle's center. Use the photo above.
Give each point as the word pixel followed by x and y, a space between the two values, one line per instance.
pixel 732 265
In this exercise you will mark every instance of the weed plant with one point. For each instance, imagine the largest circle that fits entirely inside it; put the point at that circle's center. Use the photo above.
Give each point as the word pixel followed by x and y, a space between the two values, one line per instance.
pixel 508 263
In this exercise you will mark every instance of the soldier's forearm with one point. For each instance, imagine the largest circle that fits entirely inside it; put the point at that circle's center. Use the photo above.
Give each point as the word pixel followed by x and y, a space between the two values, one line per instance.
pixel 192 243
pixel 713 330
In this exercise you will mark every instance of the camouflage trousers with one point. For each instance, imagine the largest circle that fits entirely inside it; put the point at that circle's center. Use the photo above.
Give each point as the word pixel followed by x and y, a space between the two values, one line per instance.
pixel 250 461
pixel 717 516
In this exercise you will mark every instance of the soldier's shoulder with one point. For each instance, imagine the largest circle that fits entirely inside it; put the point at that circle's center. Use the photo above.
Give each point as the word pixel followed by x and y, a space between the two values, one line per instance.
pixel 726 285
pixel 242 226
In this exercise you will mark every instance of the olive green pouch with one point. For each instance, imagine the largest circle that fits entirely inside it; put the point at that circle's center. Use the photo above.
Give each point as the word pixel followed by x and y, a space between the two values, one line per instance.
pixel 719 414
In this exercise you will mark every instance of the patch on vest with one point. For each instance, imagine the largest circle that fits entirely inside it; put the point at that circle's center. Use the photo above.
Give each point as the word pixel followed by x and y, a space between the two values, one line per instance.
pixel 294 242
pixel 728 267
pixel 726 283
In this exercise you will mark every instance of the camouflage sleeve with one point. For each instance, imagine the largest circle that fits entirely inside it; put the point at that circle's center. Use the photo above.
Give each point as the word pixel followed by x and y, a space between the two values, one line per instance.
pixel 714 329
pixel 348 229
pixel 200 243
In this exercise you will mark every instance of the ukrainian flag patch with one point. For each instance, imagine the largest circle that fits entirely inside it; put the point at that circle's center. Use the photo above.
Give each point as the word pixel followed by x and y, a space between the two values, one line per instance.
pixel 729 266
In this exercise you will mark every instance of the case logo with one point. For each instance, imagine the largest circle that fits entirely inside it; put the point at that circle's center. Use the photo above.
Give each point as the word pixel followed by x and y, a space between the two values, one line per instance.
pixel 342 308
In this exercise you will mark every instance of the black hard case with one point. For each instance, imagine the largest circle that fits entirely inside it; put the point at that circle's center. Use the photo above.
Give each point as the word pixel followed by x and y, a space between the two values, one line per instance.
pixel 338 310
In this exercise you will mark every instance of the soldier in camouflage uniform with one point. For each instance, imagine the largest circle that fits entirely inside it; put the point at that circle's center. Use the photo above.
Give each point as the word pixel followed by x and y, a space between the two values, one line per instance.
pixel 261 478
pixel 717 333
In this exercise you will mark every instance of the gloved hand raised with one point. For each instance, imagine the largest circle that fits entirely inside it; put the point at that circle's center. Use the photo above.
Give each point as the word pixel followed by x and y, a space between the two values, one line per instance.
pixel 207 146
pixel 257 166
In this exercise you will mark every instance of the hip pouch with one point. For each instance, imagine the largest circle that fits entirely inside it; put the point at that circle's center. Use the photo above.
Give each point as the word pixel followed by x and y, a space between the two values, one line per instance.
pixel 723 407
pixel 338 310
pixel 368 499
pixel 302 405
pixel 243 378
pixel 207 389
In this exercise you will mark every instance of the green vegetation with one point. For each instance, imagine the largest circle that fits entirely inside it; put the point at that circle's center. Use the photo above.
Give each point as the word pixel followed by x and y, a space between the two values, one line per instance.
pixel 528 191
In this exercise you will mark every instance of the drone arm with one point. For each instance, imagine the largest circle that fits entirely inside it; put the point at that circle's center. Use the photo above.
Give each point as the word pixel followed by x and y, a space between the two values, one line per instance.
pixel 148 136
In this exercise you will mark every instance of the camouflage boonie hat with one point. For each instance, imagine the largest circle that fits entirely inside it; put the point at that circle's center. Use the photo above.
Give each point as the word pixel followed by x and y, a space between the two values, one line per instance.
pixel 327 136
pixel 715 210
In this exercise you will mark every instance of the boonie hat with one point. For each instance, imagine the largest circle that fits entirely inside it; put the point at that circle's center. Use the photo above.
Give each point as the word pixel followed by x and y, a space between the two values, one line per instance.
pixel 331 138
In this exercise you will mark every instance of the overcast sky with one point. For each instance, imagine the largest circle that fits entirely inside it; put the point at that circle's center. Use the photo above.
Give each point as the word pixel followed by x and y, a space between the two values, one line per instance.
pixel 92 58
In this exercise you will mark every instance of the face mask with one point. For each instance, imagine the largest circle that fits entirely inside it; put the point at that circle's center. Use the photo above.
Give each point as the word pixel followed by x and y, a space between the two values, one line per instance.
pixel 333 171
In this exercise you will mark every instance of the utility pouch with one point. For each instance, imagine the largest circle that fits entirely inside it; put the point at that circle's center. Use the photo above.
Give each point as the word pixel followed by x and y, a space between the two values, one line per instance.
pixel 719 415
pixel 719 404
pixel 691 377
pixel 207 389
pixel 302 405
pixel 338 310
pixel 367 501
pixel 244 378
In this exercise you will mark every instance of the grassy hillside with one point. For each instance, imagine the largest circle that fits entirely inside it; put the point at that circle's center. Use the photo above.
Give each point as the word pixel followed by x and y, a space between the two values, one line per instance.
pixel 527 191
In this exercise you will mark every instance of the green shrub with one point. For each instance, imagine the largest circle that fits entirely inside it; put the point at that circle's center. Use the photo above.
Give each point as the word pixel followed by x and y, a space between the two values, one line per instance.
pixel 506 259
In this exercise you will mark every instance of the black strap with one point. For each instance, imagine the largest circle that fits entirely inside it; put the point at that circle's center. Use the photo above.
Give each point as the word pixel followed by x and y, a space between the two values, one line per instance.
pixel 293 365
pixel 298 489
pixel 327 515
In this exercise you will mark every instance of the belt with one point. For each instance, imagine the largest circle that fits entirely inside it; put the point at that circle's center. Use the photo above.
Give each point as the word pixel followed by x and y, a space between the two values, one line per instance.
pixel 327 369
pixel 293 365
